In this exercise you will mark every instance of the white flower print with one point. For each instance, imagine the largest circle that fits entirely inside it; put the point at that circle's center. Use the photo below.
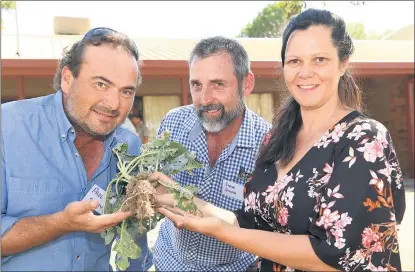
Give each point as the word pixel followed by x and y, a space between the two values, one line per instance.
pixel 387 171
pixel 324 141
pixel 250 201
pixel 358 131
pixel 298 176
pixel 287 197
pixel 376 181
pixel 338 132
pixel 351 158
pixel 334 193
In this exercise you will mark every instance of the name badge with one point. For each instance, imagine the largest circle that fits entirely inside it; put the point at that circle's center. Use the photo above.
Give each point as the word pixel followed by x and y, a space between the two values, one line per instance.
pixel 96 193
pixel 233 190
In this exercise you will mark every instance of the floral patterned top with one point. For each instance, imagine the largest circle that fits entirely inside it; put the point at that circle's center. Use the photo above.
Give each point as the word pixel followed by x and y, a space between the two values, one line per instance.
pixel 346 194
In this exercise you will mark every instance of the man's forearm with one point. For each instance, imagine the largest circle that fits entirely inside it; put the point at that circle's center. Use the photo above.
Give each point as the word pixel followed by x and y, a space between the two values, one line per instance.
pixel 31 232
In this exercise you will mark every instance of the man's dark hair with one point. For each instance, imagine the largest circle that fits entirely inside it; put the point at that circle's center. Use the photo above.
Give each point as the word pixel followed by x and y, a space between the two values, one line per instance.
pixel 73 57
pixel 218 44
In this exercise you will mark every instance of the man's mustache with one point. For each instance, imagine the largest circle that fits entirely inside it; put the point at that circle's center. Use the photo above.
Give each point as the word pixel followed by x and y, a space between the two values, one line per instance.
pixel 211 107
pixel 106 110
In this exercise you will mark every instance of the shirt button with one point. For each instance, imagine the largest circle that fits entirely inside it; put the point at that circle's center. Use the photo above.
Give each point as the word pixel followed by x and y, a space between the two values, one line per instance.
pixel 63 136
pixel 77 154
pixel 78 257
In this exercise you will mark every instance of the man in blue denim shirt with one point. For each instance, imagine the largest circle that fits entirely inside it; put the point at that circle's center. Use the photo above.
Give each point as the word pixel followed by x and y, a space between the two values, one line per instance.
pixel 56 151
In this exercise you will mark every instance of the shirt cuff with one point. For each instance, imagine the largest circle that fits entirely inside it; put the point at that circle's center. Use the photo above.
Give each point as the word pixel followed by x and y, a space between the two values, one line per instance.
pixel 6 223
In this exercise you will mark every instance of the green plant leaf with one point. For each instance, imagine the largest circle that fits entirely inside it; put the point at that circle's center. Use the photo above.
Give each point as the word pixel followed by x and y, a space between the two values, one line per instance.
pixel 125 248
pixel 161 155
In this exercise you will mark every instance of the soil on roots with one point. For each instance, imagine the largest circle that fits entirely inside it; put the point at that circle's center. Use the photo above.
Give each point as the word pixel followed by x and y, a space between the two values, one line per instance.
pixel 140 197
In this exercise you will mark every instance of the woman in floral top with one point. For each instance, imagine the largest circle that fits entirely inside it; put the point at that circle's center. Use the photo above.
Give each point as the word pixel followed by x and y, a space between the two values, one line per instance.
pixel 327 191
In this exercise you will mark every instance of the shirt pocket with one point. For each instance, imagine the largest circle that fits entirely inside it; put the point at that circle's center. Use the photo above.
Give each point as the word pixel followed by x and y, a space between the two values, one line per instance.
pixel 34 196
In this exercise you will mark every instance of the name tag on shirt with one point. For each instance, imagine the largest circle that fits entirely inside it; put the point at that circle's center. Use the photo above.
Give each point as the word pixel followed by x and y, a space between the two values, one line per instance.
pixel 96 193
pixel 233 190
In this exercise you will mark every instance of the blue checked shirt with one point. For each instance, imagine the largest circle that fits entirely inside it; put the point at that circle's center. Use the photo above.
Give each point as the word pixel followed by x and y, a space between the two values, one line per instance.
pixel 221 185
pixel 42 172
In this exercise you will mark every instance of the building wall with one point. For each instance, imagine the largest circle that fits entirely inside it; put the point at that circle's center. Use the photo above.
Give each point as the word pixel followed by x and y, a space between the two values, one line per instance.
pixel 386 101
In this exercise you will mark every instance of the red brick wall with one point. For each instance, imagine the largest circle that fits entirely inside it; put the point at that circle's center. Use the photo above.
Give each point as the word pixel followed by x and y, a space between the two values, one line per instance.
pixel 386 101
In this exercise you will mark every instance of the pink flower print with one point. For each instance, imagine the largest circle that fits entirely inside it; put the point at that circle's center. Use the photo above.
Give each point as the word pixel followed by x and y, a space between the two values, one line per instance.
pixel 272 194
pixel 334 193
pixel 377 247
pixel 328 170
pixel 387 171
pixel 339 242
pixel 372 151
pixel 325 141
pixel 369 236
pixel 328 218
pixel 380 138
pixel 337 133
pixel 282 217
pixel 376 181
pixel 359 256
pixel 250 202
pixel 371 267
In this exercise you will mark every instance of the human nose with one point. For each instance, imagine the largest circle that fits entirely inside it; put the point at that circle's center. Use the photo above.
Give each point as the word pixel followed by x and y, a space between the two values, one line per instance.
pixel 305 71
pixel 205 96
pixel 112 99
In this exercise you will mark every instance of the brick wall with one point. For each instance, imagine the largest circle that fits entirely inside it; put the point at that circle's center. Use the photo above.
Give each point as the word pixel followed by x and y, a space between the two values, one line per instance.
pixel 386 101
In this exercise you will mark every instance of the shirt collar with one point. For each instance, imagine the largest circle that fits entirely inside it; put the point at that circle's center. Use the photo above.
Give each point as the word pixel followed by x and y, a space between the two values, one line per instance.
pixel 65 127
pixel 244 138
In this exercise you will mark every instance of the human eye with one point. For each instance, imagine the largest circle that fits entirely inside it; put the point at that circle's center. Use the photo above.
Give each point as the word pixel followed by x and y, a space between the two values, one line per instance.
pixel 101 85
pixel 293 62
pixel 321 60
pixel 218 85
pixel 127 93
pixel 196 85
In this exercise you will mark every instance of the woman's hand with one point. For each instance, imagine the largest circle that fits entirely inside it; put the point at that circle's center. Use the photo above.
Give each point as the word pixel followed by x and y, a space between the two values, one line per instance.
pixel 164 197
pixel 184 220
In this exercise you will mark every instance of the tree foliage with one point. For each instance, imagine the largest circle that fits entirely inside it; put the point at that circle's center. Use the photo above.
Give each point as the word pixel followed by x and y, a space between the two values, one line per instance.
pixel 7 5
pixel 270 22
pixel 358 31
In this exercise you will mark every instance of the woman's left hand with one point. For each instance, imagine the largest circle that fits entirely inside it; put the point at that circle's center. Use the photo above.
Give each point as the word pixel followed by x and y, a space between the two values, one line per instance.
pixel 184 220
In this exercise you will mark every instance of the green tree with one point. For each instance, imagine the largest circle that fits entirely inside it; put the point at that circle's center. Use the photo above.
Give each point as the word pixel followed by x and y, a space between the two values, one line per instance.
pixel 358 31
pixel 7 5
pixel 270 22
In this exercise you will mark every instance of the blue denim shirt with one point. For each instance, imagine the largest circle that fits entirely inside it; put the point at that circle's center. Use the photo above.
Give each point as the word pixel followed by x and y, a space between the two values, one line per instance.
pixel 42 172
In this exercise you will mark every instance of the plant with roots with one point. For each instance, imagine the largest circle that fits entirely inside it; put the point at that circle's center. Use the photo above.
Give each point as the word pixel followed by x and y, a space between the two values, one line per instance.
pixel 131 191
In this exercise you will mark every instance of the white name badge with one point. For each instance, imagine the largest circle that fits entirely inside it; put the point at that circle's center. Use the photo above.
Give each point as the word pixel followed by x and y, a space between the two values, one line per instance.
pixel 233 190
pixel 96 193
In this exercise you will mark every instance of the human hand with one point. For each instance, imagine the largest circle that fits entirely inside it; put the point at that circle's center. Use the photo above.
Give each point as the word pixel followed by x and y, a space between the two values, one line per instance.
pixel 184 220
pixel 78 216
pixel 164 197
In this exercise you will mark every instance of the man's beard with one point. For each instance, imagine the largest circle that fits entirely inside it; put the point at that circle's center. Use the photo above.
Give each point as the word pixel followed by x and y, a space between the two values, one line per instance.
pixel 216 124
pixel 75 115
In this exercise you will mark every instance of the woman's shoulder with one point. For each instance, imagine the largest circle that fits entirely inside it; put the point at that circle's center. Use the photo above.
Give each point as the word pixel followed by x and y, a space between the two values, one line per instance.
pixel 362 133
pixel 363 126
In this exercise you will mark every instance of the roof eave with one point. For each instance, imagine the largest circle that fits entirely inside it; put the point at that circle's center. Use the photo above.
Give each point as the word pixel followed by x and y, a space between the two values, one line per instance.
pixel 179 68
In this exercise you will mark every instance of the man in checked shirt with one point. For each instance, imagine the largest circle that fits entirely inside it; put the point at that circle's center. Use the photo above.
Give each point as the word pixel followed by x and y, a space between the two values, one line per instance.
pixel 226 136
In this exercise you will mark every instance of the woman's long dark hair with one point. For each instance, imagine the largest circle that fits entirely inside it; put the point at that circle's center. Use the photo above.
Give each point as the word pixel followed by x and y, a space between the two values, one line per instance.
pixel 287 120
